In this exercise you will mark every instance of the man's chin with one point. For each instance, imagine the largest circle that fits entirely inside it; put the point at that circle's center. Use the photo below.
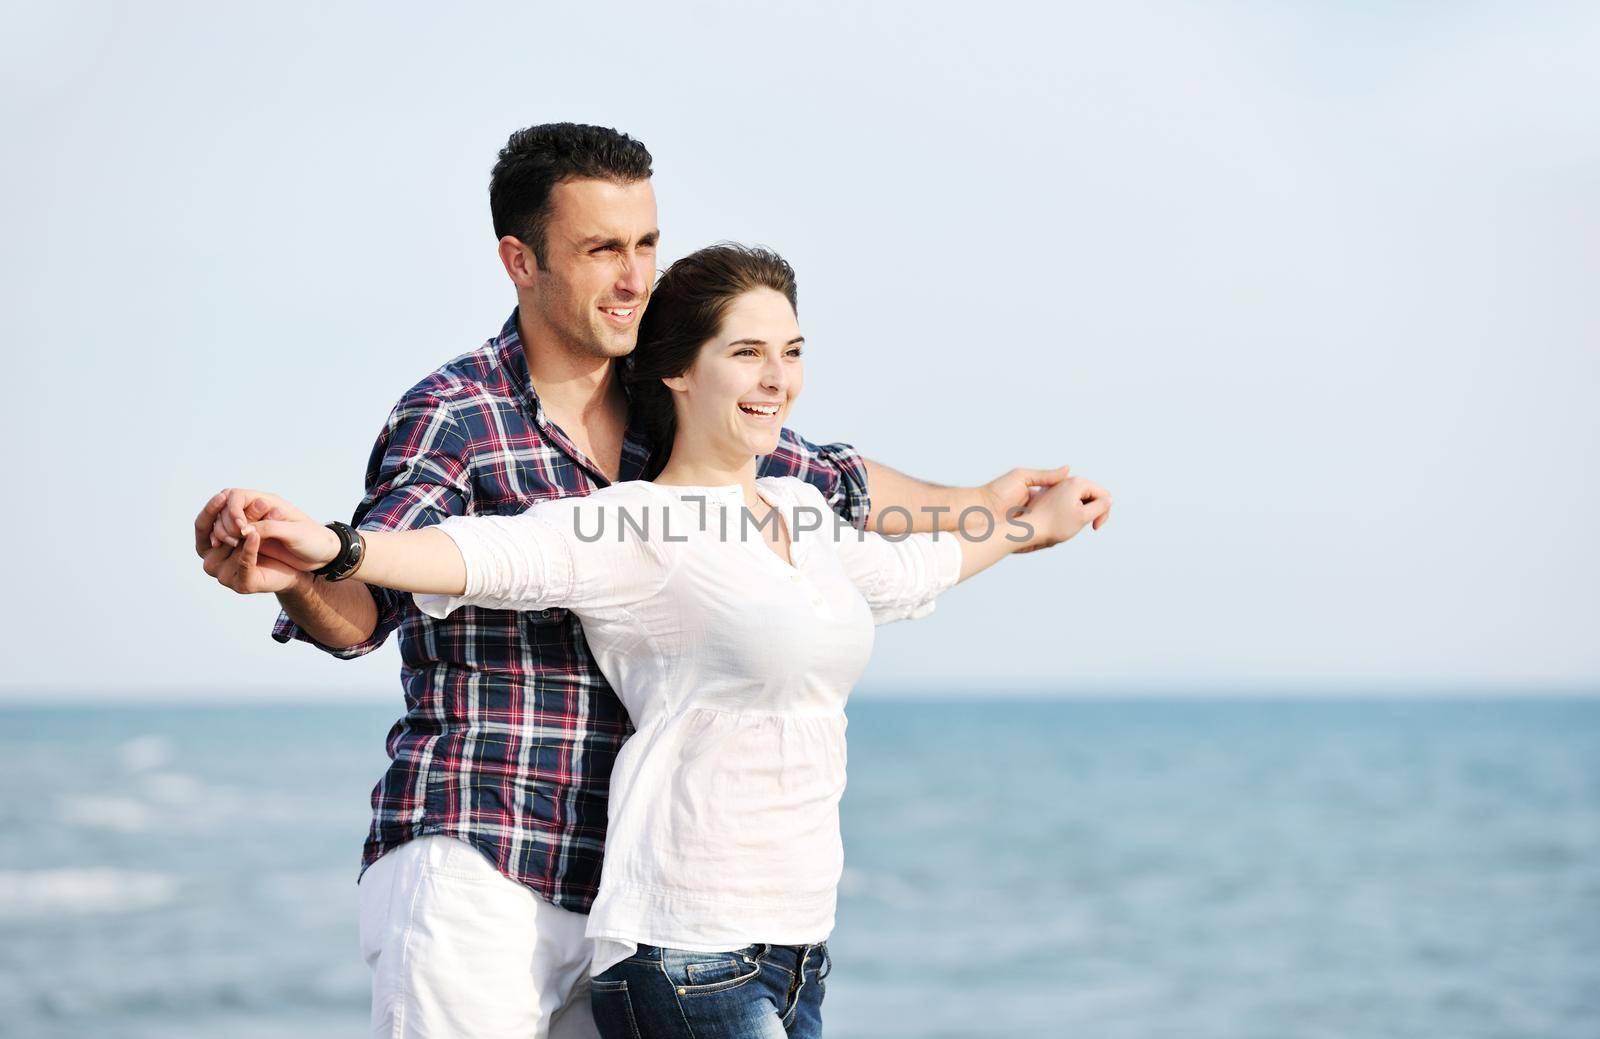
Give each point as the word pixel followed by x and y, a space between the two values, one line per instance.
pixel 612 344
pixel 617 343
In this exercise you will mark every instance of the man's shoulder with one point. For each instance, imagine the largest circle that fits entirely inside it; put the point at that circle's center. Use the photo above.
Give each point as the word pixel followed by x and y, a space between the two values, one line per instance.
pixel 477 376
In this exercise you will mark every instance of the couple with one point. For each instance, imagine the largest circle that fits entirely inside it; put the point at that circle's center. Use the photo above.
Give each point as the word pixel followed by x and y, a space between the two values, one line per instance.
pixel 589 543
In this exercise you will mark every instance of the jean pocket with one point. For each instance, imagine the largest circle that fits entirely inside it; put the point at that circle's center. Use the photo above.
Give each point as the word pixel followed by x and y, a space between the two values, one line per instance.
pixel 613 1009
pixel 696 972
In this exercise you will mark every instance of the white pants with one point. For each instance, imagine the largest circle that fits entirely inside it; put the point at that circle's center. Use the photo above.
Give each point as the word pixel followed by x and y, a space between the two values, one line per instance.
pixel 460 951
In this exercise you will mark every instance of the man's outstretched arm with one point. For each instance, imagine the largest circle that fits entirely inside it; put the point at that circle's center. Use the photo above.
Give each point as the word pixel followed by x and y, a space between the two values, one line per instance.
pixel 902 504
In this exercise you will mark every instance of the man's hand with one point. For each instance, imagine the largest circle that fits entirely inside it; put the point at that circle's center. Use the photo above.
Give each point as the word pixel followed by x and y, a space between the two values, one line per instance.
pixel 235 559
pixel 238 536
pixel 1015 490
pixel 1060 511
pixel 1020 488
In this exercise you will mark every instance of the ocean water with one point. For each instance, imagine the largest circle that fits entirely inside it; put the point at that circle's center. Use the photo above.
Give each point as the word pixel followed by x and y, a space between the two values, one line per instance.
pixel 1286 869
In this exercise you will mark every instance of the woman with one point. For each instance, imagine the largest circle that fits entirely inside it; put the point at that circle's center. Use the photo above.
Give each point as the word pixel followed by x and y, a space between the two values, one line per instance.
pixel 731 615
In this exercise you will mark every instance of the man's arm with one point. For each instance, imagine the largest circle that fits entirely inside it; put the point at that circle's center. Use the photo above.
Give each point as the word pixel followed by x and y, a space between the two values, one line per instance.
pixel 339 615
pixel 889 502
pixel 903 504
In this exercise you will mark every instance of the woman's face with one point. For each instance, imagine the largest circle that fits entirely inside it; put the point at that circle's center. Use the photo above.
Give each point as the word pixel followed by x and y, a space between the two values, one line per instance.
pixel 738 392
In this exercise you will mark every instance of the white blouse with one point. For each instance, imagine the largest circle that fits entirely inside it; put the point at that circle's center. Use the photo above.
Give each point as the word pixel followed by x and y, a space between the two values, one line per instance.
pixel 723 828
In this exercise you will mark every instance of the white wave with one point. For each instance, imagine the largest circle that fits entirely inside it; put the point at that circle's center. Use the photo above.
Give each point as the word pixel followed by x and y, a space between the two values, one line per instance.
pixel 157 800
pixel 51 892
pixel 143 753
pixel 883 887
pixel 178 789
pixel 123 814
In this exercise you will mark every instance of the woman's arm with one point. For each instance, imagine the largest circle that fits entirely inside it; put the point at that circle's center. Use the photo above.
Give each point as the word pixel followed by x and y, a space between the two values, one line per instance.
pixel 426 561
pixel 902 576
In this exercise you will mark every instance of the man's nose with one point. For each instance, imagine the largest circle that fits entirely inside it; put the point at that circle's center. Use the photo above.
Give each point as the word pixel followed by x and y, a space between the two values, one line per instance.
pixel 634 276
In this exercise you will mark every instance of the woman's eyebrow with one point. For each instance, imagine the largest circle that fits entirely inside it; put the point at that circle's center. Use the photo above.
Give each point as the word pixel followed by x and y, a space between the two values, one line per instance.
pixel 763 342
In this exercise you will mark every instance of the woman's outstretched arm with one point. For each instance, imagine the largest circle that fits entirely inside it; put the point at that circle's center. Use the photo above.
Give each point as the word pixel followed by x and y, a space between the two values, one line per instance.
pixel 426 561
pixel 900 577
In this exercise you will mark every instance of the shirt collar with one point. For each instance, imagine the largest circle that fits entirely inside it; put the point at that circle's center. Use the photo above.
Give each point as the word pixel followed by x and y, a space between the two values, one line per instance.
pixel 511 353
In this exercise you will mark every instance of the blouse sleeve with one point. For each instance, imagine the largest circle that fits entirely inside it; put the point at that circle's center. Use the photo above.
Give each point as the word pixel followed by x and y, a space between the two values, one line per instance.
pixel 900 576
pixel 568 552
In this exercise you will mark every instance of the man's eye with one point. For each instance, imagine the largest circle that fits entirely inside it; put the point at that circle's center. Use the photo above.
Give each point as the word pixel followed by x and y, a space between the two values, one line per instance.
pixel 794 351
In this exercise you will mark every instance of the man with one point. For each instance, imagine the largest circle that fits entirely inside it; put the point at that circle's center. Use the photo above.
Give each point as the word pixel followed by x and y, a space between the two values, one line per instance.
pixel 488 828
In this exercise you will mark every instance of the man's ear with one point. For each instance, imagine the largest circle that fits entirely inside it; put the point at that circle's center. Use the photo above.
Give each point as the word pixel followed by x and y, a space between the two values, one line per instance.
pixel 520 264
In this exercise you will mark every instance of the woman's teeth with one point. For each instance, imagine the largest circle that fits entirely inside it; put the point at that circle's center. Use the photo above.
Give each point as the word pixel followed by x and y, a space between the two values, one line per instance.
pixel 759 409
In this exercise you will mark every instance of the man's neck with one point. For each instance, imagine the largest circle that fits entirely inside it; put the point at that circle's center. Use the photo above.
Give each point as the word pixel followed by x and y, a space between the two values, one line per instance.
pixel 571 384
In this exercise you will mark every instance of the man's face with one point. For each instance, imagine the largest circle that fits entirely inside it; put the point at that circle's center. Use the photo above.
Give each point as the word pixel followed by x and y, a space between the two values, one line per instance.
pixel 600 262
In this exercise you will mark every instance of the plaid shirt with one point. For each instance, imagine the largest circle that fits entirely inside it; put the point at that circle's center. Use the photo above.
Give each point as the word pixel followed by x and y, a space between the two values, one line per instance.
pixel 510 730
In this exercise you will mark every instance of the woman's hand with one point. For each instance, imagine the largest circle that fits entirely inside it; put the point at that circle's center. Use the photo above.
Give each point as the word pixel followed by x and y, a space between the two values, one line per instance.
pixel 243 562
pixel 230 511
pixel 298 544
pixel 294 540
pixel 1059 512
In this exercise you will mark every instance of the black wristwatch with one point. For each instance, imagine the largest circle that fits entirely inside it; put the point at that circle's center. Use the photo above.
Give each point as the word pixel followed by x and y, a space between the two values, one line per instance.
pixel 352 546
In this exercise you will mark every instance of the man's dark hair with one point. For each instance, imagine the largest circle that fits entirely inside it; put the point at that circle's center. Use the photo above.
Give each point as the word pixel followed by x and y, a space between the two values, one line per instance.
pixel 537 158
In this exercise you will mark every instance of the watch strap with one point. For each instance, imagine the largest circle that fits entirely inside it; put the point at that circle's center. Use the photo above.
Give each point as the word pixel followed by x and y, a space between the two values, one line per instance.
pixel 352 547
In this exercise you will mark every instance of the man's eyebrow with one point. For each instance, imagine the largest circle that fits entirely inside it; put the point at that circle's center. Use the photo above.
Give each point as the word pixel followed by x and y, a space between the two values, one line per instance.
pixel 595 241
pixel 763 342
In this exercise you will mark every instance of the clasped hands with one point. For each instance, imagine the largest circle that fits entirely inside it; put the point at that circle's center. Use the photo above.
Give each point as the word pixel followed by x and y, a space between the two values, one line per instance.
pixel 252 541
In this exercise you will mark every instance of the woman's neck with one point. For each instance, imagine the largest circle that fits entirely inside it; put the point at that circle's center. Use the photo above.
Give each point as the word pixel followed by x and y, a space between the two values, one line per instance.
pixel 691 468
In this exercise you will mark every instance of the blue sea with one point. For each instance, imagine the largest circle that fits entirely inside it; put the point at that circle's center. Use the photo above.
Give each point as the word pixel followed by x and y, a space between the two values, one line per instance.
pixel 1142 868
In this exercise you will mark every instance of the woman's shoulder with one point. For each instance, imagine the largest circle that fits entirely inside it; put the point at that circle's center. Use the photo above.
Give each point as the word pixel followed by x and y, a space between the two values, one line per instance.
pixel 627 492
pixel 626 496
pixel 794 488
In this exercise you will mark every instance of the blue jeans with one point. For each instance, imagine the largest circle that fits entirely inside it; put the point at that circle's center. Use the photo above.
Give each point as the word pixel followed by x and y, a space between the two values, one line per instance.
pixel 758 992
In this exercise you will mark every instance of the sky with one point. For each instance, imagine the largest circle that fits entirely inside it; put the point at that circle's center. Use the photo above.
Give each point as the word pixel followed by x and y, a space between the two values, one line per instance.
pixel 1309 287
